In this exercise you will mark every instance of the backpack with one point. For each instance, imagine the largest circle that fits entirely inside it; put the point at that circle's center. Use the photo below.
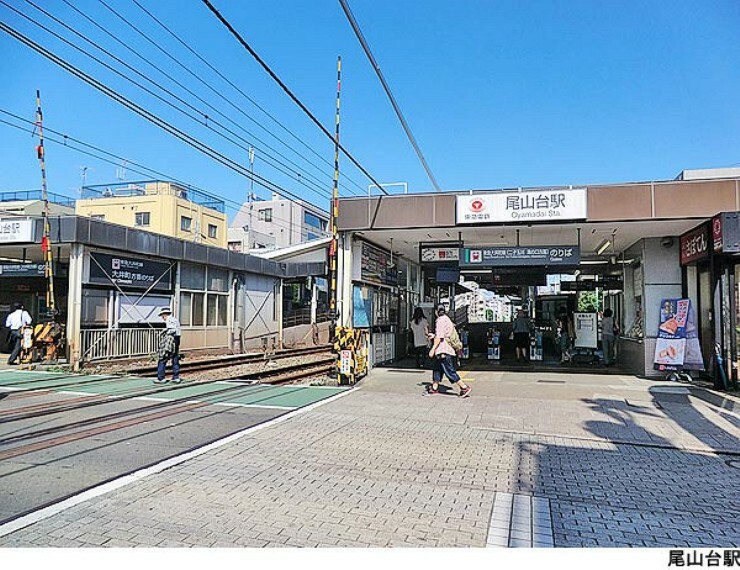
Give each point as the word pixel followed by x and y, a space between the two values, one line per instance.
pixel 454 340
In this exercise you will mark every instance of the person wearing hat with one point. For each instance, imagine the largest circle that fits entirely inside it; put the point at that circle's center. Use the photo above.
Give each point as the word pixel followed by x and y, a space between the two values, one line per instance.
pixel 169 347
pixel 443 354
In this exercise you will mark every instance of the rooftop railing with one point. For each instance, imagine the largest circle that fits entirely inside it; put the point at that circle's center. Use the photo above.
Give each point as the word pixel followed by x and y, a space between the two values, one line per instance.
pixel 154 187
pixel 26 195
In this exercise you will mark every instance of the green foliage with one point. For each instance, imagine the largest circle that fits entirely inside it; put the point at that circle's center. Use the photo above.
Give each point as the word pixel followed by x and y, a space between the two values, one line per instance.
pixel 589 302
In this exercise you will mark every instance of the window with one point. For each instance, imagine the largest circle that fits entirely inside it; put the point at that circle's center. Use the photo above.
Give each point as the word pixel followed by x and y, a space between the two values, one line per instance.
pixel 235 246
pixel 314 221
pixel 185 223
pixel 212 231
pixel 142 219
pixel 100 217
pixel 265 215
pixel 191 309
pixel 192 276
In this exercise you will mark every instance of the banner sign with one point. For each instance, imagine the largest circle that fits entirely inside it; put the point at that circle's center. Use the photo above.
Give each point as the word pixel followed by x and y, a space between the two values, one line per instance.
pixel 677 346
pixel 567 255
pixel 108 269
pixel 537 206
pixel 17 231
pixel 433 254
pixel 695 245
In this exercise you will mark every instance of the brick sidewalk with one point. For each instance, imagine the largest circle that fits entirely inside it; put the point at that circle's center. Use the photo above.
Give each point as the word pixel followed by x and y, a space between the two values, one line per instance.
pixel 528 460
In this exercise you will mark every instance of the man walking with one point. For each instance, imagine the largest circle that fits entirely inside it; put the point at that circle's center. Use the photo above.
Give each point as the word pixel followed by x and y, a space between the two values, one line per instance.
pixel 443 354
pixel 16 320
pixel 169 347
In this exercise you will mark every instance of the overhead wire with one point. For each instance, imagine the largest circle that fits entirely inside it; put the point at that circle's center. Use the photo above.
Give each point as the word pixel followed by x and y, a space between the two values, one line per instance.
pixel 290 94
pixel 243 94
pixel 151 117
pixel 180 84
pixel 315 187
pixel 139 168
pixel 387 89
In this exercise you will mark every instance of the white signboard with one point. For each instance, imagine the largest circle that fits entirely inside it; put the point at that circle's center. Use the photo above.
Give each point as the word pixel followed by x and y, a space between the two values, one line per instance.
pixel 16 231
pixel 585 329
pixel 537 206
pixel 431 254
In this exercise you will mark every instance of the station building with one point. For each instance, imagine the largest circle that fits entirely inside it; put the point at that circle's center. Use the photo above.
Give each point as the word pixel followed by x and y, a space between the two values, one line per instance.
pixel 111 280
pixel 582 249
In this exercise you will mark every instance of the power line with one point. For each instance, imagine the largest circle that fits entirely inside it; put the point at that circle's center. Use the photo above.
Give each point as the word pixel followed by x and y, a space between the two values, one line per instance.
pixel 285 88
pixel 241 92
pixel 151 117
pixel 137 167
pixel 204 122
pixel 387 89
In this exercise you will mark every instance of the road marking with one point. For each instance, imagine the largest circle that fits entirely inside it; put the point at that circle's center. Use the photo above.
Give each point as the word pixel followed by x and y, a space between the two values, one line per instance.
pixel 51 510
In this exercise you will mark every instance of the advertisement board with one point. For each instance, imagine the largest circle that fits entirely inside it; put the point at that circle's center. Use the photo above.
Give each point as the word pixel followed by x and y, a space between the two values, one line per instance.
pixel 695 245
pixel 536 206
pixel 376 267
pixel 677 346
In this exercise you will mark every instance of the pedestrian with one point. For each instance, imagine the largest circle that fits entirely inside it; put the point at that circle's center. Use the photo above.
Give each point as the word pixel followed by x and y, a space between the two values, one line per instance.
pixel 420 328
pixel 169 347
pixel 609 333
pixel 521 329
pixel 566 335
pixel 443 353
pixel 16 320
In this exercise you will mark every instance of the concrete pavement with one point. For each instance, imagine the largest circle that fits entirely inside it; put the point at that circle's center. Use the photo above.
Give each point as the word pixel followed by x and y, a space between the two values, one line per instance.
pixel 529 460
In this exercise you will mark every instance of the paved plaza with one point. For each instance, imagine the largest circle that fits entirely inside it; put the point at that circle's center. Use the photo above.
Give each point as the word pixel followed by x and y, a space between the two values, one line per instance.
pixel 530 460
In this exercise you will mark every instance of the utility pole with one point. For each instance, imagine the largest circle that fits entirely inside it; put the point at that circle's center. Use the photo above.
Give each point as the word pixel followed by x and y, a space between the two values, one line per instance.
pixel 250 196
pixel 334 210
pixel 46 248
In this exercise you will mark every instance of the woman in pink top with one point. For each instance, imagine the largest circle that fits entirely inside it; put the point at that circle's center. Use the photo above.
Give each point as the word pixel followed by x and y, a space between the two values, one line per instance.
pixel 443 355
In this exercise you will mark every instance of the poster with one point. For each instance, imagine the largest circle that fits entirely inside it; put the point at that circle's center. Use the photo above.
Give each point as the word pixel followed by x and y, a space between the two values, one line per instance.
pixel 677 346
pixel 585 330
pixel 361 307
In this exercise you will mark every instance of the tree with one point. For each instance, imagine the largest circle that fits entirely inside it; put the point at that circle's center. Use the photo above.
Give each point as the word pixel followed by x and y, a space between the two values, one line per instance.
pixel 589 302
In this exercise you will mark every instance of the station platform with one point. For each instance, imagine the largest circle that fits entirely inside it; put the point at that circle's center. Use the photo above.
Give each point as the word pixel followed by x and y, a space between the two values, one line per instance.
pixel 531 459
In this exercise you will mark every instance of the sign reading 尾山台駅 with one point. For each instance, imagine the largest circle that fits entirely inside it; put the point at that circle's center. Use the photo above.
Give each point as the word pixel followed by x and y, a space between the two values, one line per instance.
pixel 17 231
pixel 695 245
pixel 537 206
pixel 567 255
pixel 106 269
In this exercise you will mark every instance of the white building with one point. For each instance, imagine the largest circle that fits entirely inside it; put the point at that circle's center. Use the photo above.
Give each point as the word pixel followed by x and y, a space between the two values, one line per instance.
pixel 280 222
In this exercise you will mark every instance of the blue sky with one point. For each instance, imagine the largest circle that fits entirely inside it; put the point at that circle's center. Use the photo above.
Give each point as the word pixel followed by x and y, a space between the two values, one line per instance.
pixel 498 94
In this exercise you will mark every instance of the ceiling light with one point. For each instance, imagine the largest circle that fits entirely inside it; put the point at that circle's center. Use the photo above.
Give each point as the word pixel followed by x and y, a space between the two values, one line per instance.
pixel 603 246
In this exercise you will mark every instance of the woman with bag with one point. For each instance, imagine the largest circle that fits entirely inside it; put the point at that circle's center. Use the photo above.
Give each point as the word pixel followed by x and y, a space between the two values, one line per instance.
pixel 443 353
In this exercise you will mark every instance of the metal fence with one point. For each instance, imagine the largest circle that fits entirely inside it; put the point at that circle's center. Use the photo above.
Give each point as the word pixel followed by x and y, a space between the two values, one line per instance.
pixel 104 344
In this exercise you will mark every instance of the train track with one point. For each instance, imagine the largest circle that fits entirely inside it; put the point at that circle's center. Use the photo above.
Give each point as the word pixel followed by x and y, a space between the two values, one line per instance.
pixel 18 444
pixel 235 360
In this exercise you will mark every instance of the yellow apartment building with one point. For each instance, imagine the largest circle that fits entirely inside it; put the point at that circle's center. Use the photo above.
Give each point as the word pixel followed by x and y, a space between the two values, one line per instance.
pixel 160 207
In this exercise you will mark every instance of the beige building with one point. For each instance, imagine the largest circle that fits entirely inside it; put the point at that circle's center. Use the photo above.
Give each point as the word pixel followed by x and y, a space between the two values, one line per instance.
pixel 160 207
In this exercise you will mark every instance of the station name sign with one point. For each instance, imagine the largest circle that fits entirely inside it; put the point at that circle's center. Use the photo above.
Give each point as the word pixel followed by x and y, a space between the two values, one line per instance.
pixel 563 255
pixel 537 206
pixel 17 231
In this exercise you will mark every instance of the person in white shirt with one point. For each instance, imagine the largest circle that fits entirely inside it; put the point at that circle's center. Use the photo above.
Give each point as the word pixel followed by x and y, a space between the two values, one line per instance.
pixel 420 327
pixel 16 320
